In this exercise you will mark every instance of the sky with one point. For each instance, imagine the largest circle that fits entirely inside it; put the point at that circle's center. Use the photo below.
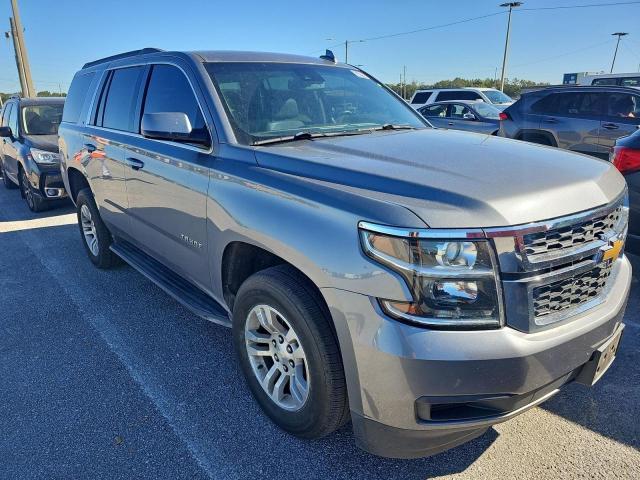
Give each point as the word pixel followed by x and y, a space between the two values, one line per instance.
pixel 61 35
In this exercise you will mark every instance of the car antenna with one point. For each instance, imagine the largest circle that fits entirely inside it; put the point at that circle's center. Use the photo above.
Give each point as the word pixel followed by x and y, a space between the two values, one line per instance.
pixel 329 56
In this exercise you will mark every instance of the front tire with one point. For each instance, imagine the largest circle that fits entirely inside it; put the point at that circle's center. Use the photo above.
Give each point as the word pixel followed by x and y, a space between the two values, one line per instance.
pixel 289 353
pixel 33 200
pixel 96 238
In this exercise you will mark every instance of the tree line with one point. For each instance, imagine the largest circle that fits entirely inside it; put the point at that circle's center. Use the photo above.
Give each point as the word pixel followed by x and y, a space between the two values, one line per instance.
pixel 44 93
pixel 512 87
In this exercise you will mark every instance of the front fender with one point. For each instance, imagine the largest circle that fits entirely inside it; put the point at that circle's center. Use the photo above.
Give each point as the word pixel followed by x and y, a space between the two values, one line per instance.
pixel 310 225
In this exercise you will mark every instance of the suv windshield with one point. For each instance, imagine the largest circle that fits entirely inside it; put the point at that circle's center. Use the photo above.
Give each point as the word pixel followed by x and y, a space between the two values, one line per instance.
pixel 41 119
pixel 271 100
pixel 496 96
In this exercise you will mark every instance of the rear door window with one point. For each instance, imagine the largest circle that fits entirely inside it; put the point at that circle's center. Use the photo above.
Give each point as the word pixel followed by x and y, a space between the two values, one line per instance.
pixel 630 82
pixel 605 81
pixel 623 105
pixel 118 107
pixel 421 97
pixel 458 111
pixel 580 104
pixel 169 90
pixel 76 97
pixel 434 111
pixel 458 95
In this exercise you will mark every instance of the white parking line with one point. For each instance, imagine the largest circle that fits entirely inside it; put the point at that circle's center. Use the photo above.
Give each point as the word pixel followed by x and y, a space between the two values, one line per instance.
pixel 57 221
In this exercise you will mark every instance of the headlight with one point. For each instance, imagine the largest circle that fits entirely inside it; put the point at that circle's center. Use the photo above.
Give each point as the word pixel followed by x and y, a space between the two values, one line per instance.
pixel 44 157
pixel 453 281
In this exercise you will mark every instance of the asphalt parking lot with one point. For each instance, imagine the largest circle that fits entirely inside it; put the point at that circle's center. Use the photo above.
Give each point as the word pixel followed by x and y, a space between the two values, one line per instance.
pixel 102 375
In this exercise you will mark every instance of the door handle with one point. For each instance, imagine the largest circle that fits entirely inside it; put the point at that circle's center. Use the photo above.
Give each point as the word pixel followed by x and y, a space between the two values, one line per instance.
pixel 134 163
pixel 610 126
pixel 450 123
pixel 90 147
pixel 550 120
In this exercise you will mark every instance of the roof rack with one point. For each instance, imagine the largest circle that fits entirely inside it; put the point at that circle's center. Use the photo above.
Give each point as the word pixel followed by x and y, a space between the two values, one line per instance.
pixel 132 53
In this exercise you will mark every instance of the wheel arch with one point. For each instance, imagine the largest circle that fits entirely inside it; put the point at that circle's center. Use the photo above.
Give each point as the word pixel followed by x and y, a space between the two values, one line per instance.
pixel 77 181
pixel 532 133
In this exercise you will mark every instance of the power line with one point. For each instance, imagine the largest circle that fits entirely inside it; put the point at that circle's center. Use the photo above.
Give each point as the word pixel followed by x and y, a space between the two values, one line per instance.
pixel 612 4
pixel 542 60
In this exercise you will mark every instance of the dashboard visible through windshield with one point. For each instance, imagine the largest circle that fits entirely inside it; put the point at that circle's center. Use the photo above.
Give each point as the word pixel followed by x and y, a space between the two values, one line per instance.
pixel 273 100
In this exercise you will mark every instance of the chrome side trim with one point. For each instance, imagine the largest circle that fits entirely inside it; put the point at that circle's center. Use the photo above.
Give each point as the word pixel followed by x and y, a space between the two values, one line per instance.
pixel 450 234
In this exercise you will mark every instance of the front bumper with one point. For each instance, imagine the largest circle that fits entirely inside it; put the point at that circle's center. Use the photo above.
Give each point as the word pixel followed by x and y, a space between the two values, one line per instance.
pixel 47 182
pixel 409 387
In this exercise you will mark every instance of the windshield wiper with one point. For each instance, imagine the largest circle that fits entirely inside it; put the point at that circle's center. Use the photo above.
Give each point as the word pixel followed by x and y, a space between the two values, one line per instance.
pixel 308 136
pixel 391 126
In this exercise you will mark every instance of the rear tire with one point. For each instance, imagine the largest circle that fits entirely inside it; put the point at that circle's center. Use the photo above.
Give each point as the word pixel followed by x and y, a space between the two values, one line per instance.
pixel 95 236
pixel 308 346
pixel 8 184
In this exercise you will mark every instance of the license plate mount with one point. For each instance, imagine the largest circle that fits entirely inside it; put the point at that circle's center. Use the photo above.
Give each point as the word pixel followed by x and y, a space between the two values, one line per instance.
pixel 601 360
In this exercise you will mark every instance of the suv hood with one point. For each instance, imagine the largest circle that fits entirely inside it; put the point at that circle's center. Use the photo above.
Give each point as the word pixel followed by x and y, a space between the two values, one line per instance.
pixel 48 143
pixel 453 179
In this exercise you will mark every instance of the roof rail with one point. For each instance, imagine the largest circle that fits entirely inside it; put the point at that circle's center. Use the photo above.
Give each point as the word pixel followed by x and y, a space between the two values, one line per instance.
pixel 132 53
pixel 15 95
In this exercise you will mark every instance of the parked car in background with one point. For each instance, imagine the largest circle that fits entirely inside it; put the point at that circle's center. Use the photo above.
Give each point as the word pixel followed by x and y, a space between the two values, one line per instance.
pixel 472 116
pixel 620 79
pixel 580 118
pixel 625 155
pixel 488 95
pixel 371 267
pixel 29 156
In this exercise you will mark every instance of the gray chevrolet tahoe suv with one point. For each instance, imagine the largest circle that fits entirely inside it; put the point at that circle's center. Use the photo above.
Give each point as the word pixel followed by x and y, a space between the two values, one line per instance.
pixel 425 284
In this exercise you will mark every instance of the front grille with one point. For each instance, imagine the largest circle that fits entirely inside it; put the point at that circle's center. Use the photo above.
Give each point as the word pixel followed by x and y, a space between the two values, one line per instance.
pixel 571 236
pixel 570 292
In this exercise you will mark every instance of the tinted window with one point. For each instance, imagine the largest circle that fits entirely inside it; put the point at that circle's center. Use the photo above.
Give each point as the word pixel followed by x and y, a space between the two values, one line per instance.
pixel 170 91
pixel 605 81
pixel 75 98
pixel 434 111
pixel 5 114
pixel 571 103
pixel 630 82
pixel 121 98
pixel 13 120
pixel 421 97
pixel 623 105
pixel 458 95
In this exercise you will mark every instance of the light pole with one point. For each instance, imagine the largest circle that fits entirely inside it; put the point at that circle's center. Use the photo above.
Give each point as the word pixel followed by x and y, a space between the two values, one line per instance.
pixel 511 6
pixel 615 54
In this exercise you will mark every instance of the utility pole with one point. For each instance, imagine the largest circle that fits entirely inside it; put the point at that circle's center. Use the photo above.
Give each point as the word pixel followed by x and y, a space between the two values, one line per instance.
pixel 22 60
pixel 511 6
pixel 615 54
pixel 404 92
pixel 346 48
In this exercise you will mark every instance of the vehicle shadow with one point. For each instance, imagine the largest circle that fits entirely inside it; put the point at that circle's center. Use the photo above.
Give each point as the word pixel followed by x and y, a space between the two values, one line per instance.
pixel 612 407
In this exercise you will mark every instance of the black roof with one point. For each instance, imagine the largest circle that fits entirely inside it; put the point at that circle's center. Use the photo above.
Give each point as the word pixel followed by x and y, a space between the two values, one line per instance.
pixel 615 88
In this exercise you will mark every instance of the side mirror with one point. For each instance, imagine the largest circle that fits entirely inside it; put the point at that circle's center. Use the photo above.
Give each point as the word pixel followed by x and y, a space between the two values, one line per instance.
pixel 469 116
pixel 6 132
pixel 173 126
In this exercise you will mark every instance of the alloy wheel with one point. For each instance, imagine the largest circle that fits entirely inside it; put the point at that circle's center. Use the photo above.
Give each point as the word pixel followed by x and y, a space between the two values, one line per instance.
pixel 277 358
pixel 89 230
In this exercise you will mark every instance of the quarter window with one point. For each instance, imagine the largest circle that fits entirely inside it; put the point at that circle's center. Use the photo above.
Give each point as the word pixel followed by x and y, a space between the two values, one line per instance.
pixel 76 97
pixel 169 91
pixel 6 113
pixel 118 109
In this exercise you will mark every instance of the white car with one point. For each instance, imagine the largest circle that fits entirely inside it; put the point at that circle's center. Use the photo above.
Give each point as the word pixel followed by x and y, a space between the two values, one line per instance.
pixel 490 95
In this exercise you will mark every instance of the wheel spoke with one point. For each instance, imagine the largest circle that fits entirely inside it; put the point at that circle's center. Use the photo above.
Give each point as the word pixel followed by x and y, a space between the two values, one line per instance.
pixel 298 386
pixel 270 378
pixel 278 388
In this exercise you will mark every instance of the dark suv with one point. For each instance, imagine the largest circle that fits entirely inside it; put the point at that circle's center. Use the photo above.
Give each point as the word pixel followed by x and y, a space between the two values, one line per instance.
pixel 29 156
pixel 583 119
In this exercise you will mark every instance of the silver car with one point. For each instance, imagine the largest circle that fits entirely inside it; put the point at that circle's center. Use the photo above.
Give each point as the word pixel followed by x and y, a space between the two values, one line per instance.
pixel 425 284
pixel 470 116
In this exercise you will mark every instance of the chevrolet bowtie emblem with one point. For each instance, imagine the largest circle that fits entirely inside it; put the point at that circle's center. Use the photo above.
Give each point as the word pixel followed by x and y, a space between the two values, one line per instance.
pixel 611 251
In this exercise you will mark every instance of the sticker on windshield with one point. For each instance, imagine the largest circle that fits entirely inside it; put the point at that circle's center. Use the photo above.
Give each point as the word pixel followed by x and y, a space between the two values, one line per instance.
pixel 358 73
